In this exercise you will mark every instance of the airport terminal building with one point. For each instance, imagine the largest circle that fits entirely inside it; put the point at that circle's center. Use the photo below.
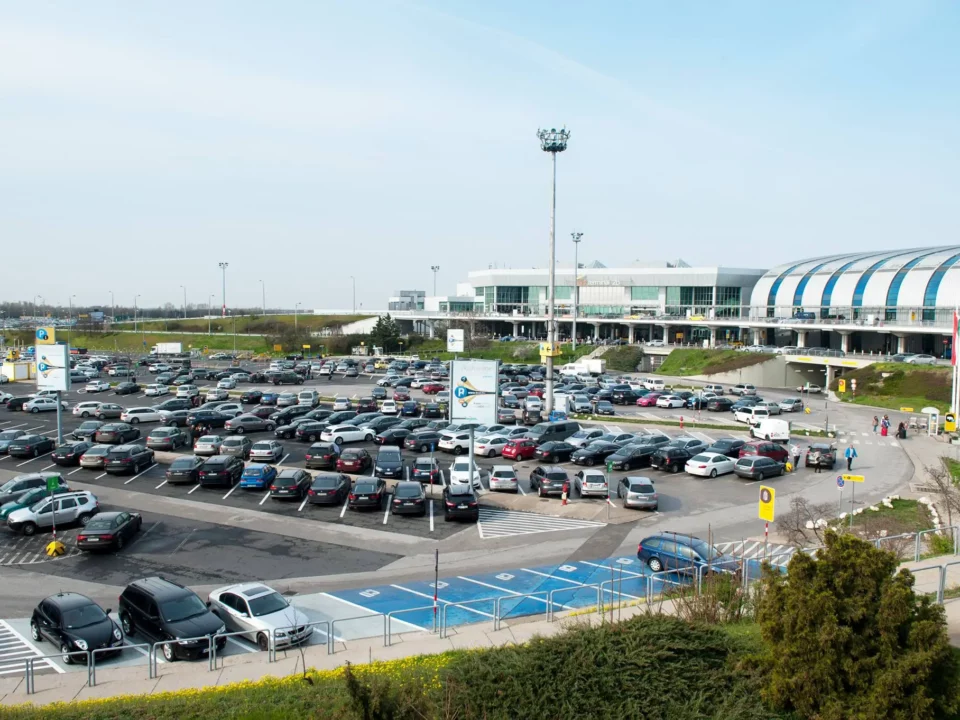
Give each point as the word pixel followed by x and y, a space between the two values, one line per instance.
pixel 889 301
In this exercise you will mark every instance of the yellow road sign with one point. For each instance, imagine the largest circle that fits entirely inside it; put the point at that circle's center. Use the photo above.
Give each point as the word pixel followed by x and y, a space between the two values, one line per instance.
pixel 842 385
pixel 306 347
pixel 767 497
pixel 278 348
pixel 906 409
pixel 852 478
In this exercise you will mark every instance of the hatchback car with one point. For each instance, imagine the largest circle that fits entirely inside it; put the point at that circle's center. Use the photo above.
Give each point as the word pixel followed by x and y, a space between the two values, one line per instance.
pixel 590 483
pixel 109 530
pixel 329 489
pixel 426 470
pixel 826 452
pixel 354 460
pixel 765 448
pixel 27 446
pixel 237 445
pixel 290 484
pixel 409 498
pixel 757 467
pixel 116 433
pixel 128 459
pixel 549 480
pixel 208 445
pixel 73 623
pixel 460 503
pixel 266 451
pixel 69 454
pixel 185 469
pixel 389 463
pixel 221 470
pixel 519 449
pixel 638 492
pixel 167 438
pixel 321 456
pixel 676 551
pixel 368 493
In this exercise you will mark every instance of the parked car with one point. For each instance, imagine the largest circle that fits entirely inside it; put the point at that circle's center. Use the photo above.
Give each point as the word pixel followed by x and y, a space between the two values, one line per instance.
pixel 672 457
pixel 96 386
pixel 322 456
pixel 354 460
pixel 69 454
pixel 726 446
pixel 341 434
pixel 73 623
pixel 555 451
pixel 167 438
pixel 208 445
pixel 262 613
pixel 16 488
pixel 109 530
pixel 590 482
pixel 409 498
pixel 426 469
pixel 221 470
pixel 504 477
pixel 251 396
pixel 68 507
pixel 329 489
pixel 42 404
pixel 31 446
pixel 368 493
pixel 791 405
pixel 161 610
pixel 291 484
pixel 633 455
pixel 709 464
pixel 237 445
pixel 7 437
pixel 596 452
pixel 827 452
pixel 766 449
pixel 126 388
pixel 757 467
pixel 638 492
pixel 460 503
pixel 95 457
pixel 548 480
pixel 676 551
pixel 247 423
pixel 128 459
pixel 185 469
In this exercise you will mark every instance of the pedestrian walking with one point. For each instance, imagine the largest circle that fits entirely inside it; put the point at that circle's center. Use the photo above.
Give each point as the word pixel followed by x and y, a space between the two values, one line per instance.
pixel 815 459
pixel 876 424
pixel 850 453
pixel 884 425
pixel 795 454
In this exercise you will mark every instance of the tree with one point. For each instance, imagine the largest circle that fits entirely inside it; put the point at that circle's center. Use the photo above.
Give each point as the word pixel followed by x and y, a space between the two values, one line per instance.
pixel 386 333
pixel 846 637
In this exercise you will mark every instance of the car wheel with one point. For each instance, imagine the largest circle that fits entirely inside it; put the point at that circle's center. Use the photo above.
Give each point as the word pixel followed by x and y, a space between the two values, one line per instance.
pixel 780 473
pixel 263 642
pixel 446 518
pixel 423 448
pixel 35 632
pixel 239 430
pixel 674 468
pixel 338 440
pixel 368 438
pixel 84 414
pixel 655 564
pixel 65 655
pixel 84 518
pixel 29 528
pixel 119 542
pixel 168 653
pixel 589 462
pixel 35 410
pixel 713 473
pixel 36 452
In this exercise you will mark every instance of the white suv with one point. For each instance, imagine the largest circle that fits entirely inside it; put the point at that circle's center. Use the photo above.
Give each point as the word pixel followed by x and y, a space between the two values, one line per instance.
pixel 456 443
pixel 460 473
pixel 503 477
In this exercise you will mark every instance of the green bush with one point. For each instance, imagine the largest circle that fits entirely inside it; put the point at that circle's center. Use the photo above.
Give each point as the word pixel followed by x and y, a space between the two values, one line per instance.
pixel 691 361
pixel 623 359
pixel 845 637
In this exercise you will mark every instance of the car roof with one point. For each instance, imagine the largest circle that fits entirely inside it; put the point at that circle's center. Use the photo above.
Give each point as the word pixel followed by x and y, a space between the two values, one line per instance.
pixel 160 587
pixel 248 590
pixel 67 600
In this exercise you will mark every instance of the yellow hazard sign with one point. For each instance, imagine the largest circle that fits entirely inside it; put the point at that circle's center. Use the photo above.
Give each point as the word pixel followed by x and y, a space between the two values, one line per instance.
pixel 842 385
pixel 767 497
pixel 56 548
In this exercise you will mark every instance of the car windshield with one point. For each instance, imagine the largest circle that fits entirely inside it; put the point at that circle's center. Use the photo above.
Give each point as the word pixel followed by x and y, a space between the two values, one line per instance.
pixel 504 474
pixel 645 488
pixel 183 608
pixel 268 604
pixel 8 435
pixel 80 617
pixel 707 552
pixel 407 491
pixel 182 463
pixel 365 488
pixel 350 455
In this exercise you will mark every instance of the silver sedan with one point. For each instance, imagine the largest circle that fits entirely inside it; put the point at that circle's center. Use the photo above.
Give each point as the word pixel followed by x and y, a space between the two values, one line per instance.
pixel 266 451
pixel 262 613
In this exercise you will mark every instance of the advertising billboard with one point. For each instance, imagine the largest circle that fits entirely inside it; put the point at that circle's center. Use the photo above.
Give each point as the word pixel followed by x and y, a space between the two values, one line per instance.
pixel 53 367
pixel 475 391
pixel 455 341
pixel 46 336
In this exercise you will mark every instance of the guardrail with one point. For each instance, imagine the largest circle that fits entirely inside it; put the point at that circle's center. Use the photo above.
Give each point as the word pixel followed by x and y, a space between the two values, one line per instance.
pixel 272 650
pixel 941 569
pixel 29 662
pixel 389 616
pixel 182 641
pixel 918 538
pixel 523 596
pixel 465 603
pixel 550 613
pixel 331 645
pixel 92 663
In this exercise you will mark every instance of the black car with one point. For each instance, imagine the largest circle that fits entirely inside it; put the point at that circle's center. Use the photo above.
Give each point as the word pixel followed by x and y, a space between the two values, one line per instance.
pixel 69 454
pixel 510 401
pixel 221 470
pixel 554 451
pixel 727 446
pixel 328 489
pixel 160 610
pixel 175 404
pixel 319 414
pixel 362 418
pixel 128 459
pixel 414 424
pixel 409 498
pixel 287 378
pixel 109 530
pixel 17 403
pixel 422 440
pixel 116 433
pixel 367 493
pixel 548 480
pixel 433 410
pixel 367 404
pixel 341 417
pixel 321 456
pixel 74 623
pixel 719 404
pixel 31 446
pixel 604 407
pixel 379 393
pixel 595 452
pixel 392 436
pixel 86 430
pixel 291 484
pixel 378 425
pixel 207 418
pixel 251 396
pixel 177 418
pixel 309 430
pixel 747 401
pixel 460 503
pixel 624 396
pixel 389 463
pixel 167 438
pixel 289 429
pixel 126 388
pixel 672 458
pixel 631 456
pixel 288 414
pixel 184 469
pixel 531 417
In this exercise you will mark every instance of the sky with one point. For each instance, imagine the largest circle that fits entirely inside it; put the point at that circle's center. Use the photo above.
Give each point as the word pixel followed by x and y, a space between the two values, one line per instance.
pixel 305 142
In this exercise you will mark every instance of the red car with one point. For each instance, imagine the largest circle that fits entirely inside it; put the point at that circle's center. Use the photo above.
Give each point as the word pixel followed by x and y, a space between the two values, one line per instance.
pixel 367 404
pixel 432 388
pixel 649 400
pixel 520 449
pixel 401 394
pixel 354 461
pixel 766 449
pixel 537 392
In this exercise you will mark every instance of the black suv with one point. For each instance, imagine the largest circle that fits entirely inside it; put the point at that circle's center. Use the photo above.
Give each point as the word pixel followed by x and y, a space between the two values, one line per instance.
pixel 283 417
pixel 128 458
pixel 287 378
pixel 389 463
pixel 221 470
pixel 75 623
pixel 459 501
pixel 159 610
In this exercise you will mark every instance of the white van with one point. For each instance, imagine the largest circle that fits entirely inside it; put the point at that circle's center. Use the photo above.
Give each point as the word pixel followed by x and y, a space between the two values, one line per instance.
pixel 772 429
pixel 751 415
pixel 654 384
pixel 308 397
pixel 718 389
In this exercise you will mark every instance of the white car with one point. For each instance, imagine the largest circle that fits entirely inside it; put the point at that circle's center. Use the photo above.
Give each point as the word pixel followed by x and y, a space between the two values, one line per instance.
pixel 261 613
pixel 216 394
pixel 456 443
pixel 227 384
pixel 459 473
pixel 341 434
pixel 495 429
pixel 489 445
pixel 503 477
pixel 159 368
pixel 266 451
pixel 230 409
pixel 42 404
pixel 44 394
pixel 90 372
pixel 387 380
pixel 810 388
pixel 389 407
pixel 671 401
pixel 86 409
pixel 325 370
pixel 140 414
pixel 342 403
pixel 709 464
pixel 533 403
pixel 97 386
pixel 155 389
pixel 187 391
pixel 921 360
pixel 419 381
pixel 591 482
pixel 442 397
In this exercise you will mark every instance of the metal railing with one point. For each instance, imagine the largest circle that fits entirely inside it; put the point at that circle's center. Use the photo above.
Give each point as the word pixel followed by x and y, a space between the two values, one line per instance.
pixel 387 637
pixel 29 662
pixel 551 615
pixel 464 604
pixel 918 538
pixel 601 606
pixel 519 596
pixel 331 645
pixel 941 579
pixel 92 663
pixel 272 651
pixel 157 645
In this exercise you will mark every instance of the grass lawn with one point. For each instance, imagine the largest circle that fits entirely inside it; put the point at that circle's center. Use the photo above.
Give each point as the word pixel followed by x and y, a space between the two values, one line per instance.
pixel 897 385
pixel 909 515
pixel 623 359
pixel 505 352
pixel 253 324
pixel 692 361
pixel 140 343
pixel 954 468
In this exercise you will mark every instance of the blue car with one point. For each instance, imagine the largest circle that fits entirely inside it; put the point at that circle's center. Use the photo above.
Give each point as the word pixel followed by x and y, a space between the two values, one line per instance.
pixel 257 476
pixel 269 398
pixel 675 551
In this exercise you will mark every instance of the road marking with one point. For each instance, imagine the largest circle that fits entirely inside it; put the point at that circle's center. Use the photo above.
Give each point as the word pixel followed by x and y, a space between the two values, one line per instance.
pixel 574 582
pixel 522 491
pixel 440 601
pixel 283 458
pixel 229 492
pixel 33 459
pixel 508 591
pixel 494 523
pixel 6 422
pixel 160 485
pixel 300 509
pixel 373 614
pixel 139 474
pixel 48 467
pixel 194 489
pixel 7 631
pixel 386 513
pixel 266 494
pixel 15 426
pixel 183 542
pixel 243 646
pixel 607 567
pixel 431 515
pixel 343 510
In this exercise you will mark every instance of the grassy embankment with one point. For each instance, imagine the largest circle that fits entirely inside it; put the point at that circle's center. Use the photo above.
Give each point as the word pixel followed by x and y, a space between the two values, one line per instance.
pixel 691 361
pixel 266 325
pixel 897 385
pixel 505 352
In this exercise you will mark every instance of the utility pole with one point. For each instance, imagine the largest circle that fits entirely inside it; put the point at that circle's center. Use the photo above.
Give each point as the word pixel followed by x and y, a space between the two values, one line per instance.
pixel 263 295
pixel 354 294
pixel 113 308
pixel 184 301
pixel 552 141
pixel 296 317
pixel 223 269
pixel 435 269
pixel 69 327
pixel 209 314
pixel 135 312
pixel 576 285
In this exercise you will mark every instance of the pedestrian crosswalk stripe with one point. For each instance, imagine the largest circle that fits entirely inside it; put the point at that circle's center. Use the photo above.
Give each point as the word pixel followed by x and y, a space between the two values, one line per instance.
pixel 753 550
pixel 16 649
pixel 495 523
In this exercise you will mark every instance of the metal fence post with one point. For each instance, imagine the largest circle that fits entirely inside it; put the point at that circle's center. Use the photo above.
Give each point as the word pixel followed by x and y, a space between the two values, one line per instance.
pixel 916 555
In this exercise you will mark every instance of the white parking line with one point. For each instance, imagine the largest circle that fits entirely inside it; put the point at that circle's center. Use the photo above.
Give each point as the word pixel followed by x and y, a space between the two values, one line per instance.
pixel 386 513
pixel 573 582
pixel 431 516
pixel 522 492
pixel 5 422
pixel 508 591
pixel 33 428
pixel 160 485
pixel 34 459
pixel 441 601
pixel 194 489
pixel 48 467
pixel 283 458
pixel 229 492
pixel 16 426
pixel 266 494
pixel 343 510
pixel 139 474
pixel 242 646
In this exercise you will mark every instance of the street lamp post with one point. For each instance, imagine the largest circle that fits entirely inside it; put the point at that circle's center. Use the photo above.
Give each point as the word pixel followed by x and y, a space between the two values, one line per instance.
pixel 70 317
pixel 184 301
pixel 552 141
pixel 223 269
pixel 263 296
pixel 296 317
pixel 113 308
pixel 576 285
pixel 209 314
pixel 354 294
pixel 435 269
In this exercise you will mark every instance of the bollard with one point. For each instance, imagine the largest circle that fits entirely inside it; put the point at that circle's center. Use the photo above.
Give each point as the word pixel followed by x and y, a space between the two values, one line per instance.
pixel 566 490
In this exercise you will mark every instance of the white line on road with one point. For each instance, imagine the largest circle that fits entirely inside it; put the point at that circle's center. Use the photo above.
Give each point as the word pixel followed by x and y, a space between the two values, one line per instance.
pixel 160 485
pixel 33 459
pixel 229 492
pixel 48 467
pixel 431 515
pixel 343 510
pixel 139 474
pixel 74 471
pixel 16 426
pixel 283 458
pixel 386 513
pixel 300 509
pixel 194 489
pixel 266 494
pixel 242 646
pixel 30 645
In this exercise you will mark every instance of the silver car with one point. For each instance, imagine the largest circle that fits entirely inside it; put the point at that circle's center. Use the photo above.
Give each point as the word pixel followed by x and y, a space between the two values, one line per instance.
pixel 248 422
pixel 266 451
pixel 791 405
pixel 77 506
pixel 286 399
pixel 773 408
pixel 503 477
pixel 638 492
pixel 262 613
pixel 207 445
pixel 591 482
pixel 237 445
